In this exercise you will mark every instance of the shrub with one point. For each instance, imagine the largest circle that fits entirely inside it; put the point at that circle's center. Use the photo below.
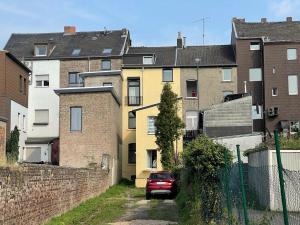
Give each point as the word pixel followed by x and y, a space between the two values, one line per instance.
pixel 12 146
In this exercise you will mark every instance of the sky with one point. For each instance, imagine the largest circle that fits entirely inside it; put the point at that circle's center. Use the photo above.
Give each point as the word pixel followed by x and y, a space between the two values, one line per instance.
pixel 150 22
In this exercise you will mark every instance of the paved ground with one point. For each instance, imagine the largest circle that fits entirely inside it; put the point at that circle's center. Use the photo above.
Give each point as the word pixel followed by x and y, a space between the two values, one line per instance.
pixel 149 212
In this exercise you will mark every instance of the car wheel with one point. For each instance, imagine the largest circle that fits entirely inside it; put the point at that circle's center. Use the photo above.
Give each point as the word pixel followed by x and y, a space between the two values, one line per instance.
pixel 148 196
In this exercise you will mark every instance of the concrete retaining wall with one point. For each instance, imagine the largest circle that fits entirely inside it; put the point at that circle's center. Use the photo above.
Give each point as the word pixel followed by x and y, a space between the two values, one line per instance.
pixel 32 194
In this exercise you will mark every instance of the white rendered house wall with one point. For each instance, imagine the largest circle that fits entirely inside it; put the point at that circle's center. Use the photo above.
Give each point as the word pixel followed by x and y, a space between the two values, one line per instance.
pixel 18 118
pixel 44 98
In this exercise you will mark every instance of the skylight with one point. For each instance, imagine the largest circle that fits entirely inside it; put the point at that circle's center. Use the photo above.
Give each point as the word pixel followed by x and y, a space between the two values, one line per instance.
pixel 107 51
pixel 76 51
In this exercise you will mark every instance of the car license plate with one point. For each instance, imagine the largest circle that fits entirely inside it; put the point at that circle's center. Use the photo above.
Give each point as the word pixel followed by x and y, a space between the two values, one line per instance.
pixel 160 183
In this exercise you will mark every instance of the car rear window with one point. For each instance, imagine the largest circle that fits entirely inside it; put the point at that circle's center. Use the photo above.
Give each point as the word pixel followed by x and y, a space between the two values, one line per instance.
pixel 160 176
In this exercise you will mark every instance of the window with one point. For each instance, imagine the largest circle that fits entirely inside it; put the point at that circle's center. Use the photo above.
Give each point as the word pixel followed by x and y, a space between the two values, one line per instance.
pixel 152 159
pixel 148 60
pixel 20 84
pixel 107 84
pixel 293 84
pixel 274 91
pixel 225 93
pixel 257 112
pixel 19 121
pixel 294 126
pixel 105 65
pixel 226 74
pixel 131 120
pixel 42 80
pixel 191 88
pixel 291 54
pixel 107 51
pixel 191 120
pixel 24 122
pixel 76 118
pixel 75 80
pixel 25 86
pixel 105 161
pixel 167 75
pixel 41 116
pixel 254 46
pixel 134 97
pixel 151 125
pixel 40 50
pixel 76 52
pixel 255 74
pixel 131 153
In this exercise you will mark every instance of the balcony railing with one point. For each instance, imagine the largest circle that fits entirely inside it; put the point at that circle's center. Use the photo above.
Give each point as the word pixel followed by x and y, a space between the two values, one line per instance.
pixel 134 100
pixel 189 135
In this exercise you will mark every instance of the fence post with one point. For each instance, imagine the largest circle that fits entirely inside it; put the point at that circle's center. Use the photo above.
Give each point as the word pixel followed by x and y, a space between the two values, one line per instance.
pixel 242 187
pixel 228 196
pixel 281 180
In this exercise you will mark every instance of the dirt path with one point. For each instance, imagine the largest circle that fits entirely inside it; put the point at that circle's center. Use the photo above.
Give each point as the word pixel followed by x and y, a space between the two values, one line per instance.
pixel 149 212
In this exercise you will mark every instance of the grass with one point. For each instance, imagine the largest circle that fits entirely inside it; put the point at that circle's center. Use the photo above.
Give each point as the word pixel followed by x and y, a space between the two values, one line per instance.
pixel 103 209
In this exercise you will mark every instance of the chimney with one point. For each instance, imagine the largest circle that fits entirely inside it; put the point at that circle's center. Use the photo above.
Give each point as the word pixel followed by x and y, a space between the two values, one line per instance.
pixel 180 43
pixel 184 42
pixel 240 20
pixel 124 31
pixel 69 29
pixel 263 20
pixel 289 19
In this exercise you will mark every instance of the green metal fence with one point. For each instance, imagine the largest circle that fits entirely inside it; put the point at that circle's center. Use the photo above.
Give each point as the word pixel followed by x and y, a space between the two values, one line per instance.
pixel 260 195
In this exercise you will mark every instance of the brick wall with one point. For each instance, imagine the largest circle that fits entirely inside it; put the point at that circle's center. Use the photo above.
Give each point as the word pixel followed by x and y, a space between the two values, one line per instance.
pixel 33 194
pixel 2 140
pixel 82 65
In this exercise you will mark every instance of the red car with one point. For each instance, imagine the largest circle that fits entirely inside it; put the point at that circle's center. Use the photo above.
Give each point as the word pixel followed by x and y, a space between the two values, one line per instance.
pixel 161 183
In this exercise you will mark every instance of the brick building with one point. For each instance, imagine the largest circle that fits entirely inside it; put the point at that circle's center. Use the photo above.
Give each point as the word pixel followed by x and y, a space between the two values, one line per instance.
pixel 14 79
pixel 267 54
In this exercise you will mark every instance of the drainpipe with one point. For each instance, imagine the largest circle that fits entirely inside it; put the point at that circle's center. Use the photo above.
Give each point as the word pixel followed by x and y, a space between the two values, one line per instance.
pixel 263 88
pixel 89 62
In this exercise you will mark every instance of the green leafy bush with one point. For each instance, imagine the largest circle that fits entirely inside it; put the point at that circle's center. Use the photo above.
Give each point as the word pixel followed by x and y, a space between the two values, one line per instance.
pixel 12 146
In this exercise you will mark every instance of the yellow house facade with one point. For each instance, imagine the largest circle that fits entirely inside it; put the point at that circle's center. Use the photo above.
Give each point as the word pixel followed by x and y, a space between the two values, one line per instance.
pixel 142 87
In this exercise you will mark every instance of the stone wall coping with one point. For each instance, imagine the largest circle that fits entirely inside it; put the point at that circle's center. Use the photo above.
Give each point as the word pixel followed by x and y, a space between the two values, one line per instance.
pixel 79 90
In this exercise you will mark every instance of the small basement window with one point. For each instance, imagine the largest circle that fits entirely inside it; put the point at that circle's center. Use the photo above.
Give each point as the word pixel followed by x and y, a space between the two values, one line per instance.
pixel 191 88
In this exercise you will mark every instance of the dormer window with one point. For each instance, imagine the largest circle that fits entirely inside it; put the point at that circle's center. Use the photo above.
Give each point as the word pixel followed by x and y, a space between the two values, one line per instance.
pixel 148 60
pixel 40 50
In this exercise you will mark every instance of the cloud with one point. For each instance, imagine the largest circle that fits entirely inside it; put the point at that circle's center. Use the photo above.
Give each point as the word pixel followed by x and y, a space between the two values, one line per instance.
pixel 284 7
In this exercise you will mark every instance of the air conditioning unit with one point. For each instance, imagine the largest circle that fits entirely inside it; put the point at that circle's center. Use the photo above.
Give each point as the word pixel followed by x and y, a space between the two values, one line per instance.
pixel 273 111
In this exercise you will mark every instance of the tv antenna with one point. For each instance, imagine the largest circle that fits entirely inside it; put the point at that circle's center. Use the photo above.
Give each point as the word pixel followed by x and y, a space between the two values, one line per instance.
pixel 203 20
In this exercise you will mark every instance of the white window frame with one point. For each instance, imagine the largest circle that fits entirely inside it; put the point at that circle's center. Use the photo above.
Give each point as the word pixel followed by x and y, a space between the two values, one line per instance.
pixel 150 129
pixel 71 118
pixel 36 51
pixel 103 63
pixel 42 80
pixel 290 82
pixel 255 69
pixel 255 115
pixel 41 122
pixel 150 164
pixel 194 117
pixel 289 56
pixel 146 58
pixel 163 78
pixel 273 93
pixel 223 74
pixel 255 46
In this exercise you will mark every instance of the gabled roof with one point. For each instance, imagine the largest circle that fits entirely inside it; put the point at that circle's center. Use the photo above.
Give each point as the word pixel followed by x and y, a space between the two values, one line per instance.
pixel 271 31
pixel 62 45
pixel 164 56
pixel 210 55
